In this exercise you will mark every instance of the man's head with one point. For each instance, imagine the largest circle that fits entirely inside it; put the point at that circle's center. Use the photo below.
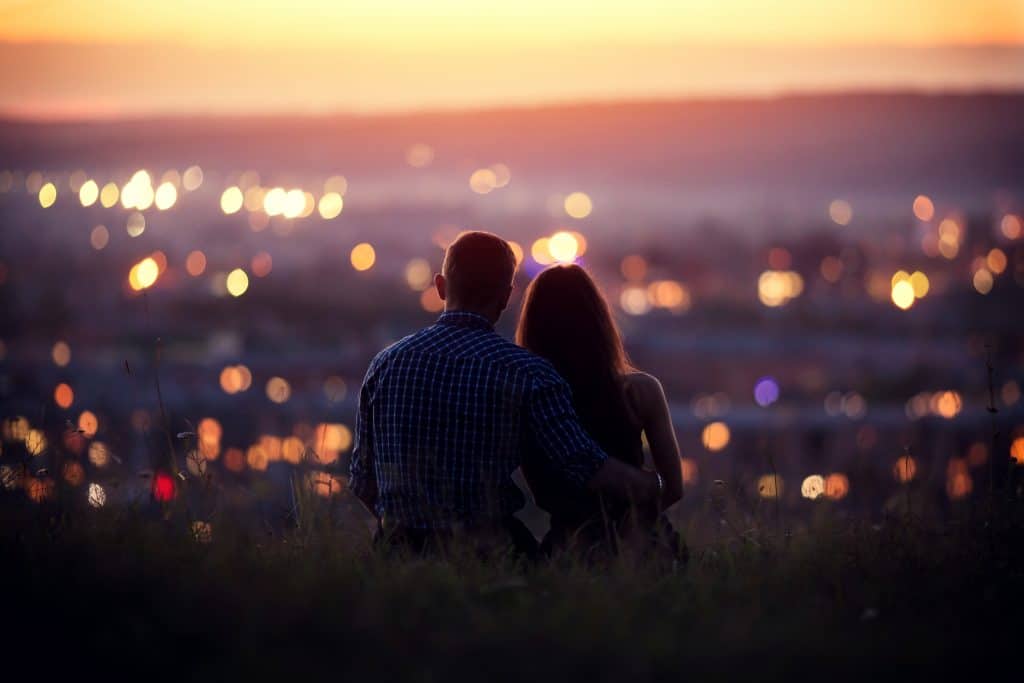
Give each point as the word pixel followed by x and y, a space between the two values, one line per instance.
pixel 477 274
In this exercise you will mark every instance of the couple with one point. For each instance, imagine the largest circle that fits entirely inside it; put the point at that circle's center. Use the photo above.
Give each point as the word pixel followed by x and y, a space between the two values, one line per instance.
pixel 446 415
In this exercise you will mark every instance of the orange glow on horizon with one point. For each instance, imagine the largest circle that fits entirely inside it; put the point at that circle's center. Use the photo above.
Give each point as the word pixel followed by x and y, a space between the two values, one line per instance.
pixel 429 54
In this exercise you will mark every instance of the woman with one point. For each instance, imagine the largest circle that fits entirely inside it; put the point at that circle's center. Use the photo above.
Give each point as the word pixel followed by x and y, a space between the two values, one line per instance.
pixel 566 320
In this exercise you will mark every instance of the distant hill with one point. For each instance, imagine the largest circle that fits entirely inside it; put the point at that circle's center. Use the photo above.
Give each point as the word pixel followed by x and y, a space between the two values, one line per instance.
pixel 871 145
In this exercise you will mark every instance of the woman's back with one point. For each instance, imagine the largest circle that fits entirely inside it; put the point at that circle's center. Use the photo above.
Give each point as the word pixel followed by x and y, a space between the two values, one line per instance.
pixel 621 436
pixel 566 320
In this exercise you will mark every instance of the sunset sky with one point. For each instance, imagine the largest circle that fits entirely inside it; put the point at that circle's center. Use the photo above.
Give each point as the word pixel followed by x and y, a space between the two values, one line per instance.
pixel 112 57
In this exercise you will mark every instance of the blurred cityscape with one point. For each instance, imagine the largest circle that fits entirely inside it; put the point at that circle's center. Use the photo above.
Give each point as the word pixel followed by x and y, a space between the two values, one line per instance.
pixel 822 284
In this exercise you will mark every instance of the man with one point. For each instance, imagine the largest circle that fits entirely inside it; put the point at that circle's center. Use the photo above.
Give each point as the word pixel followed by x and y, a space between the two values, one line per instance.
pixel 444 413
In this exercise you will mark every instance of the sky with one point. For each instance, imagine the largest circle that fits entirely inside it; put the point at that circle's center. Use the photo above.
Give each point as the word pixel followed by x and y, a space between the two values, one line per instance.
pixel 108 58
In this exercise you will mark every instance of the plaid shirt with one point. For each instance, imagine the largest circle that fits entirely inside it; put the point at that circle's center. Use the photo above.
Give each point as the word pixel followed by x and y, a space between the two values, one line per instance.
pixel 444 418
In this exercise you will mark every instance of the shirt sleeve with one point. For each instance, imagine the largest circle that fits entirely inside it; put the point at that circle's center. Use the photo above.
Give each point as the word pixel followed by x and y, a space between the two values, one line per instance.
pixel 362 478
pixel 557 431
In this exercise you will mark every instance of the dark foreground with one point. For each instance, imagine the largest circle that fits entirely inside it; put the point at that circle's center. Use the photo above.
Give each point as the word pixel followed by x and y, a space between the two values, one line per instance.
pixel 133 591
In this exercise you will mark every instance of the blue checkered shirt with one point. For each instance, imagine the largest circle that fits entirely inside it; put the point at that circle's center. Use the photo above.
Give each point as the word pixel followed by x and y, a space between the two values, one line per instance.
pixel 444 418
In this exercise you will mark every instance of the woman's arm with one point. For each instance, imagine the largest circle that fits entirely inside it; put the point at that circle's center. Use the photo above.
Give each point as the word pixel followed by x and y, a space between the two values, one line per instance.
pixel 656 420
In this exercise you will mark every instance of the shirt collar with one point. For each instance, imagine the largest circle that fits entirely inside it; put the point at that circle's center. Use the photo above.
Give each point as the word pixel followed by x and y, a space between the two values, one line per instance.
pixel 465 319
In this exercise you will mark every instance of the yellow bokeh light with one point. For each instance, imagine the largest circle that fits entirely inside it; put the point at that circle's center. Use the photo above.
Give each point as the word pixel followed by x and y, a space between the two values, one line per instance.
pixel 292 450
pixel 840 212
pixel 47 195
pixel 99 454
pixel 669 294
pixel 278 390
pixel 256 458
pixel 813 487
pixel 237 282
pixel 231 200
pixel 540 252
pixel 109 195
pixel 778 287
pixel 253 198
pixel 903 294
pixel 294 203
pixel 332 437
pixel 578 205
pixel 483 180
pixel 769 486
pixel 35 442
pixel 946 404
pixel 331 205
pixel 192 178
pixel 563 247
pixel 88 193
pixel 274 201
pixel 924 209
pixel 144 274
pixel 418 274
pixel 136 224
pixel 363 256
pixel 166 196
pixel 983 281
pixel 919 281
pixel 634 300
pixel 715 436
pixel 517 252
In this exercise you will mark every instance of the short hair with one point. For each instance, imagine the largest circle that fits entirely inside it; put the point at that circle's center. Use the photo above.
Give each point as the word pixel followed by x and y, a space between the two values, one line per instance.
pixel 479 267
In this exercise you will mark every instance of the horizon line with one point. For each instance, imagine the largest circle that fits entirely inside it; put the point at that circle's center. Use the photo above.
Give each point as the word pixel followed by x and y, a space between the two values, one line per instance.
pixel 13 116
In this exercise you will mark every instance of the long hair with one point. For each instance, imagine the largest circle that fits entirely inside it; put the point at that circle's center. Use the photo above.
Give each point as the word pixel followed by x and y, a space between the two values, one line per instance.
pixel 566 320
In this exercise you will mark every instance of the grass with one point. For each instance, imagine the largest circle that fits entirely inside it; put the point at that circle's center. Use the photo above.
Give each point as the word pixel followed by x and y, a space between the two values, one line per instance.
pixel 131 588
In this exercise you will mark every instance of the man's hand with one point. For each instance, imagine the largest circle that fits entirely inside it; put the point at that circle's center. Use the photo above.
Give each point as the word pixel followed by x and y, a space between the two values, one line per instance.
pixel 616 478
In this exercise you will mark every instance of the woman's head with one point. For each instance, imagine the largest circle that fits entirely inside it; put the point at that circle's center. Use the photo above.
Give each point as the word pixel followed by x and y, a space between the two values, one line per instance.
pixel 566 320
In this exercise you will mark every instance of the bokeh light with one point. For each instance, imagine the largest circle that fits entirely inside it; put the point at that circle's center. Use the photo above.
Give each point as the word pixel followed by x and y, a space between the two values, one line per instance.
pixel 231 200
pixel 840 212
pixel 363 256
pixel 61 354
pixel 578 205
pixel 47 195
pixel 813 487
pixel 766 391
pixel 88 193
pixel 715 436
pixel 63 395
pixel 237 282
pixel 278 390
pixel 195 263
pixel 923 207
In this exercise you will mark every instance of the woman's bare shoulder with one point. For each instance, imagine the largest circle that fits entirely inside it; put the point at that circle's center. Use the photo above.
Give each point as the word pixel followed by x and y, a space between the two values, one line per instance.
pixel 644 391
